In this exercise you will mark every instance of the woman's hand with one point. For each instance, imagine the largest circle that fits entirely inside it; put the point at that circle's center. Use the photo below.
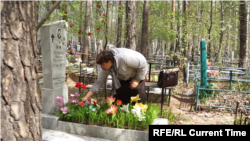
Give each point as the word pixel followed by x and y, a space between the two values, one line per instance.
pixel 84 99
pixel 87 96
pixel 134 83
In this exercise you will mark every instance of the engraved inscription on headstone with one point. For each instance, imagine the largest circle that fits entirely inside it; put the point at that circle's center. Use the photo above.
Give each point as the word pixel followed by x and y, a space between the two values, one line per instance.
pixel 59 33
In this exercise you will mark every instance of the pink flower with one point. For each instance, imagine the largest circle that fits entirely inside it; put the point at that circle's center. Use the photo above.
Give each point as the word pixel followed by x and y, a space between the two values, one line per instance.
pixel 74 100
pixel 64 110
pixel 110 100
pixel 59 99
pixel 112 110
pixel 59 104
pixel 78 56
pixel 89 101
pixel 75 95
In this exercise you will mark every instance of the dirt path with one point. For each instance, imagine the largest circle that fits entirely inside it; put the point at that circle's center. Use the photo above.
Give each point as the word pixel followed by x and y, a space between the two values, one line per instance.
pixel 203 117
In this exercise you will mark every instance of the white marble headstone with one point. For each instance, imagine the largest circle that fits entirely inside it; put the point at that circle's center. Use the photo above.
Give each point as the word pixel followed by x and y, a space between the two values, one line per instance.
pixel 54 46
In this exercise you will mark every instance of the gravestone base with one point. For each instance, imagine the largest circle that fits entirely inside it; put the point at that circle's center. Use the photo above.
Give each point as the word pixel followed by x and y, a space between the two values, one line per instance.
pixel 48 98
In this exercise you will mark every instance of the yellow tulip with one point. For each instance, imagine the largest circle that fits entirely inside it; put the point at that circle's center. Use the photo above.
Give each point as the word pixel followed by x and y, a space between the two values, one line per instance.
pixel 135 99
pixel 143 107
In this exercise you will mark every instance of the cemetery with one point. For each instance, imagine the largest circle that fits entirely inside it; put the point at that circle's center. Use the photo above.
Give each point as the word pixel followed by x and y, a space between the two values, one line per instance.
pixel 55 75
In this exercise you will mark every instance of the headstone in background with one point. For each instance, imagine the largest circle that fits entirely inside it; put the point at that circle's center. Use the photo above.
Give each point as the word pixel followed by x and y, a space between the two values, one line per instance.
pixel 232 55
pixel 54 45
pixel 78 48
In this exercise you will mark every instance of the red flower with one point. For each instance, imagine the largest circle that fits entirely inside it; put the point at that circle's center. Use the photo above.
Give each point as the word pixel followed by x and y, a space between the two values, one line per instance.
pixel 66 12
pixel 104 14
pixel 66 72
pixel 80 31
pixel 119 102
pixel 81 103
pixel 83 86
pixel 105 22
pixel 99 6
pixel 99 30
pixel 89 33
pixel 78 84
pixel 58 7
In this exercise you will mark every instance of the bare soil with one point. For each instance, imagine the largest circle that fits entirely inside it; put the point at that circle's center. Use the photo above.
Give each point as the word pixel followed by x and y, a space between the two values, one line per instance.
pixel 182 104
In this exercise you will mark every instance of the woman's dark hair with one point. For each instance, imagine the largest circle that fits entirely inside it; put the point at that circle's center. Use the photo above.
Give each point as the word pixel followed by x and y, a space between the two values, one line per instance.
pixel 104 57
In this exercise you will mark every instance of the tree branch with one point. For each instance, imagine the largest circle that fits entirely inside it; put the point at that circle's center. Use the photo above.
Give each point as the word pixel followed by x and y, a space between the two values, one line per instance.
pixel 48 14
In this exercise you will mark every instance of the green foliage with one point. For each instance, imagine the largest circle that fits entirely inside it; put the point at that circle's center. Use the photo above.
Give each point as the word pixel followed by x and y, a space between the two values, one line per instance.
pixel 69 57
pixel 242 86
pixel 171 116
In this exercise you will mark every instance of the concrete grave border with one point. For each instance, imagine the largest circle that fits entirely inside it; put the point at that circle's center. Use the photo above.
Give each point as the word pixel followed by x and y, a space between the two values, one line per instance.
pixel 52 122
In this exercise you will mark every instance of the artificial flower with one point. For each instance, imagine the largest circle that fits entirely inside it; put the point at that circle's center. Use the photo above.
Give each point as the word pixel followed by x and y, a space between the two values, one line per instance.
pixel 78 56
pixel 112 110
pixel 74 100
pixel 60 100
pixel 119 102
pixel 75 95
pixel 83 86
pixel 81 103
pixel 59 104
pixel 110 100
pixel 135 99
pixel 125 108
pixel 64 110
pixel 99 6
pixel 93 101
pixel 78 84
pixel 143 107
pixel 137 113
pixel 89 101
pixel 97 105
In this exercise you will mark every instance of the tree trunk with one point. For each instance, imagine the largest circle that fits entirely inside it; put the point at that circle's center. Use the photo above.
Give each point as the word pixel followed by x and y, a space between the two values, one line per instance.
pixel 178 35
pixel 131 24
pixel 80 25
pixel 221 32
pixel 209 50
pixel 119 29
pixel 86 29
pixel 243 33
pixel 47 15
pixel 20 92
pixel 184 28
pixel 106 25
pixel 172 27
pixel 144 36
pixel 47 6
